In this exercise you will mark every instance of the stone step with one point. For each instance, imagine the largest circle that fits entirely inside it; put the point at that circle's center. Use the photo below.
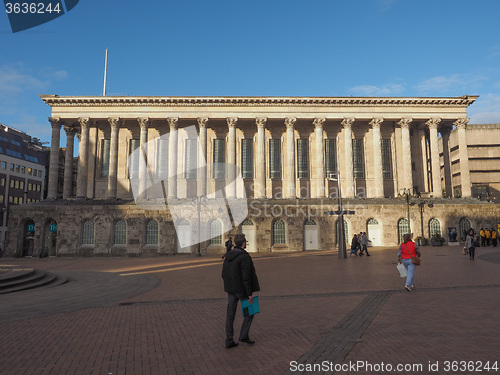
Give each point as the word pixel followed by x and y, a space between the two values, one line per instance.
pixel 18 279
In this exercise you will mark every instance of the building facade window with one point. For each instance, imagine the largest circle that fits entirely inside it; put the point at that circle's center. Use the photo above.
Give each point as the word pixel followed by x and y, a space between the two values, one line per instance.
pixel 386 158
pixel 215 233
pixel 152 232
pixel 162 158
pixel 330 157
pixel 274 158
pixel 358 158
pixel 105 147
pixel 464 224
pixel 434 227
pixel 190 162
pixel 302 158
pixel 120 233
pixel 279 237
pixel 87 232
pixel 133 161
pixel 403 228
pixel 247 158
pixel 219 159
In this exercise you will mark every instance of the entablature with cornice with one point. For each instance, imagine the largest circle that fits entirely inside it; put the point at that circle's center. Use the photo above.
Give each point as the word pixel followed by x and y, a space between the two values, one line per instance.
pixel 331 108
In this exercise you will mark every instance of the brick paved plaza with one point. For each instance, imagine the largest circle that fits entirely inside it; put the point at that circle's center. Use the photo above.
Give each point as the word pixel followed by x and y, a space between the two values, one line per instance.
pixel 166 315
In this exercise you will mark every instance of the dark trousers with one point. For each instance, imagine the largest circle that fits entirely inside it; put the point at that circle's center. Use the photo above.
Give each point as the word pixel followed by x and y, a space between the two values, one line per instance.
pixel 365 249
pixel 472 252
pixel 232 304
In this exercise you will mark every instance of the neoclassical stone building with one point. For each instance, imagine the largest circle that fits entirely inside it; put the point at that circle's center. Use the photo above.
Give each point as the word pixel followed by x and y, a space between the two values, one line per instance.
pixel 287 151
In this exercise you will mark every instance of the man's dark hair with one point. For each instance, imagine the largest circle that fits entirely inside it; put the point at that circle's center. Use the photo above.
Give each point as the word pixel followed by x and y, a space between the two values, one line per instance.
pixel 239 239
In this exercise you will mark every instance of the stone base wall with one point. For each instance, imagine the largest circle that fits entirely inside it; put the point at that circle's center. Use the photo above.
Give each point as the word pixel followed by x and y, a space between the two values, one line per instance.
pixel 262 214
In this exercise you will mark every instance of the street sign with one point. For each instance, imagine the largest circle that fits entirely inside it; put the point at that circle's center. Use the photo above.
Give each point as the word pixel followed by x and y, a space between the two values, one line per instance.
pixel 31 227
pixel 53 228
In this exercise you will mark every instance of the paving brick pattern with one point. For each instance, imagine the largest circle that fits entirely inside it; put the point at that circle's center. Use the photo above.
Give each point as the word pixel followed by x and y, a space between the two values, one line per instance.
pixel 166 315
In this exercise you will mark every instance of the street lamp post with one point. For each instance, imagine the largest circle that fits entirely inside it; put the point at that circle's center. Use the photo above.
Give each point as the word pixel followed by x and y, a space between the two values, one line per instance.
pixel 341 234
pixel 421 205
pixel 199 200
pixel 407 193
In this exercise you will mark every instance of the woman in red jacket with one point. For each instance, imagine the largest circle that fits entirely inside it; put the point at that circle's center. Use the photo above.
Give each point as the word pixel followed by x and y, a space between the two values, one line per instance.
pixel 407 250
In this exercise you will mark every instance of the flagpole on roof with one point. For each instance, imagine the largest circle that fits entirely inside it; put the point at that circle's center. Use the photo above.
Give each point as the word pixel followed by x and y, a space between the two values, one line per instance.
pixel 105 72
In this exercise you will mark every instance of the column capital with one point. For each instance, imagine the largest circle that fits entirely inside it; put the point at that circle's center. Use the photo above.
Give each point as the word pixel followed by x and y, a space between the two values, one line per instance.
pixel 70 131
pixel 376 122
pixel 173 122
pixel 231 121
pixel 433 123
pixel 202 122
pixel 405 122
pixel 461 123
pixel 318 122
pixel 290 122
pixel 84 121
pixel 144 122
pixel 114 122
pixel 261 122
pixel 445 130
pixel 55 121
pixel 347 122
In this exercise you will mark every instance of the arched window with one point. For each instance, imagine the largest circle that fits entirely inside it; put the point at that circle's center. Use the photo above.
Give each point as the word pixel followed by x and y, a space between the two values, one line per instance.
pixel 310 222
pixel 120 233
pixel 372 221
pixel 215 233
pixel 434 227
pixel 184 222
pixel 152 232
pixel 464 225
pixel 247 222
pixel 279 237
pixel 88 232
pixel 402 229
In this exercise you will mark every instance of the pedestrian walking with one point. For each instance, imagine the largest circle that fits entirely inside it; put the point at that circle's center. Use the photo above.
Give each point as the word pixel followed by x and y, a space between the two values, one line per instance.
pixel 229 246
pixel 407 250
pixel 354 245
pixel 240 282
pixel 470 245
pixel 364 244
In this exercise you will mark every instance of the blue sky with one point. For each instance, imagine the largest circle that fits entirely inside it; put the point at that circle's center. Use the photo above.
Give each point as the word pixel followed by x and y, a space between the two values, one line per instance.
pixel 254 48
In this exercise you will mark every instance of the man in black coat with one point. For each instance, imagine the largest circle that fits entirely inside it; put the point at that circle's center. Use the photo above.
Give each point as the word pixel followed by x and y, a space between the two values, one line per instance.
pixel 240 282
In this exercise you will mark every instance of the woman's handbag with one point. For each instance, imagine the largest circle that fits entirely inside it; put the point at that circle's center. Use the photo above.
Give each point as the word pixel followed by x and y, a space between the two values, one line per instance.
pixel 464 251
pixel 402 270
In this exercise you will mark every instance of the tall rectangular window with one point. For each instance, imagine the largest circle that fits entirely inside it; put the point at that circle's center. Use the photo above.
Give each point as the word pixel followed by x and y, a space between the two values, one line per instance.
pixel 219 159
pixel 247 158
pixel 330 157
pixel 105 147
pixel 162 158
pixel 133 161
pixel 358 158
pixel 386 158
pixel 302 158
pixel 190 165
pixel 274 158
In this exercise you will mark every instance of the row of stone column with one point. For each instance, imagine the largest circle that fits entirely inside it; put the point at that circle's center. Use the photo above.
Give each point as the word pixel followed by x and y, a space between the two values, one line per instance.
pixel 260 177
